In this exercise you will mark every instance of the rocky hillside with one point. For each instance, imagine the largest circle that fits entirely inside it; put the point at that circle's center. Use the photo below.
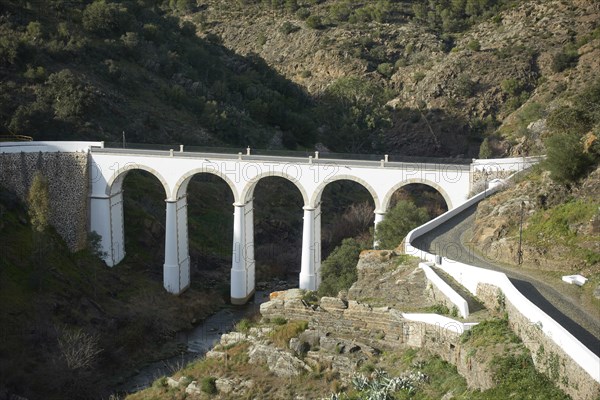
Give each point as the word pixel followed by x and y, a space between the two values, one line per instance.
pixel 346 348
pixel 448 87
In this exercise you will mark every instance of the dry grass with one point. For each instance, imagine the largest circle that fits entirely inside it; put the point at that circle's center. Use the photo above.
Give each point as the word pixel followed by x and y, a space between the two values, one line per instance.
pixel 282 334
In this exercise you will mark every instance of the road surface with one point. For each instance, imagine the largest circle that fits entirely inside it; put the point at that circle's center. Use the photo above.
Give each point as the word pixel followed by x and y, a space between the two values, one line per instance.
pixel 448 240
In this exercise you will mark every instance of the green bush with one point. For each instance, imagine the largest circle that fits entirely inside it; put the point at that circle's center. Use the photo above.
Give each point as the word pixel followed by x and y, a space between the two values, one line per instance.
pixel 400 220
pixel 485 150
pixel 243 325
pixel 109 19
pixel 314 22
pixel 287 28
pixel 511 86
pixel 565 158
pixel 474 45
pixel 303 13
pixel 208 385
pixel 386 69
pixel 338 271
pixel 66 94
pixel 567 58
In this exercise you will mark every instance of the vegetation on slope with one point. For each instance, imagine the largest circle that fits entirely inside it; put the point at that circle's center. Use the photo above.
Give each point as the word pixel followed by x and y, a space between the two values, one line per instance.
pixel 95 69
pixel 72 328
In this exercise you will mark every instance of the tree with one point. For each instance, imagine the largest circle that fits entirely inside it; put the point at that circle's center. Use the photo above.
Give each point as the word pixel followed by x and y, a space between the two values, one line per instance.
pixel 109 19
pixel 485 150
pixel 400 220
pixel 338 271
pixel 38 203
pixel 565 157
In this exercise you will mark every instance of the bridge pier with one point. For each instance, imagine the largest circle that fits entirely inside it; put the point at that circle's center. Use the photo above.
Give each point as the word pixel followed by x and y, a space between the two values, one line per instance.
pixel 176 270
pixel 310 270
pixel 106 219
pixel 379 216
pixel 242 260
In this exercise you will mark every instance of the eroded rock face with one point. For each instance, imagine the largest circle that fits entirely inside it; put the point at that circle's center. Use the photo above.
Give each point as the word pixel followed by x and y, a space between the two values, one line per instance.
pixel 382 281
pixel 496 227
pixel 280 362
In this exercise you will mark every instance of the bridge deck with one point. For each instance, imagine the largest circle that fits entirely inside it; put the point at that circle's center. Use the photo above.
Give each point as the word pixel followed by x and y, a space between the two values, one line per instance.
pixel 324 159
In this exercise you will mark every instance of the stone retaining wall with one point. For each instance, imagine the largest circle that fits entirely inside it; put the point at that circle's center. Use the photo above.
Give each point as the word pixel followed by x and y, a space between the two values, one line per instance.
pixel 383 328
pixel 67 175
pixel 548 357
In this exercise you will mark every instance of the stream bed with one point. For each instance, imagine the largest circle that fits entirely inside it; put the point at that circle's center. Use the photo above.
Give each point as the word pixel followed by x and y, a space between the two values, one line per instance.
pixel 198 340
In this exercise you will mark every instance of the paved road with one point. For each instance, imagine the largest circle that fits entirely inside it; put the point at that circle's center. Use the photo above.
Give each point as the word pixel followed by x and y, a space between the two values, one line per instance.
pixel 447 240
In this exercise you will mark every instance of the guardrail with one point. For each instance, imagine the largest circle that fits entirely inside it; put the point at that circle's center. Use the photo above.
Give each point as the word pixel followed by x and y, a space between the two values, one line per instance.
pixel 470 277
pixel 288 153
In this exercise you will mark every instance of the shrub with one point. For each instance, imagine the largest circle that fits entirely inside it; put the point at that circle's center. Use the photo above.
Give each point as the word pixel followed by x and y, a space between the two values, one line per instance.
pixel 418 76
pixel 565 158
pixel 400 220
pixel 208 385
pixel 279 321
pixel 314 22
pixel 464 86
pixel 108 19
pixel 474 45
pixel 511 86
pixel 287 28
pixel 243 325
pixel 338 271
pixel 68 97
pixel 485 150
pixel 38 202
pixel 386 69
pixel 303 13
pixel 567 58
pixel 35 73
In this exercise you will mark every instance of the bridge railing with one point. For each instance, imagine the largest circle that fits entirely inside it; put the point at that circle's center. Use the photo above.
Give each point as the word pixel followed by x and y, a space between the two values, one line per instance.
pixel 324 155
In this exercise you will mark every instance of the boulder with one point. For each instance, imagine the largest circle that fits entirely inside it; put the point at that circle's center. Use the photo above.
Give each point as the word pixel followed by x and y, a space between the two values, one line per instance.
pixel 272 306
pixel 232 338
pixel 299 347
pixel 332 303
pixel 311 337
pixel 193 388
pixel 219 355
pixel 172 382
pixel 281 363
pixel 225 385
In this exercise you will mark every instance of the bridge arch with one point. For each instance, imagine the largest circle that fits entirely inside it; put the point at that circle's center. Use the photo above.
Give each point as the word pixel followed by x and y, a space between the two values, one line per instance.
pixel 248 190
pixel 180 188
pixel 388 197
pixel 316 197
pixel 115 183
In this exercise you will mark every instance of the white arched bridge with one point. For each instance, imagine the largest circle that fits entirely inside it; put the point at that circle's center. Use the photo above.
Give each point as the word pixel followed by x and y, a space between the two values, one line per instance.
pixel 175 168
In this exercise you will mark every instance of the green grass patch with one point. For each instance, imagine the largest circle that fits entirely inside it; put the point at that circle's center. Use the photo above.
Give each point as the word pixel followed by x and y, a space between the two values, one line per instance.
pixel 546 227
pixel 490 332
pixel 282 334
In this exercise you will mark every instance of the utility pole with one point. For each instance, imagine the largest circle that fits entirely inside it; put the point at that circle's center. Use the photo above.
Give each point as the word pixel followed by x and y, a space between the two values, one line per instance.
pixel 520 252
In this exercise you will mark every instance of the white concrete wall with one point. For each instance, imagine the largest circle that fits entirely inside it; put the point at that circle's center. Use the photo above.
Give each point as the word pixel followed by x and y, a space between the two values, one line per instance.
pixel 442 322
pixel 442 286
pixel 515 164
pixel 470 276
pixel 47 147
